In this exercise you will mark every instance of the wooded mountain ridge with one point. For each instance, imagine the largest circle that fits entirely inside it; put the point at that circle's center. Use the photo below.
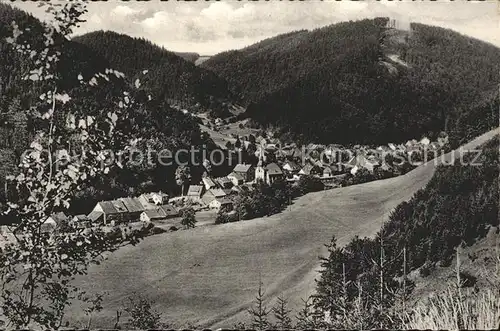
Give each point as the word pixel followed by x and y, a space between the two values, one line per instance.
pixel 363 82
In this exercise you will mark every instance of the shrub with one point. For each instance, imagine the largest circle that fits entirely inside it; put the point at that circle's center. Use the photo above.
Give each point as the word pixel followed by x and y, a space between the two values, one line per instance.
pixel 451 311
pixel 142 315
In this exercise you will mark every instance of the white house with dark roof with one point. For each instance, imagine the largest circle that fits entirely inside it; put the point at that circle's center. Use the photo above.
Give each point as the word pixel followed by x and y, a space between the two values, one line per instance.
pixel 291 167
pixel 236 178
pixel 221 203
pixel 273 173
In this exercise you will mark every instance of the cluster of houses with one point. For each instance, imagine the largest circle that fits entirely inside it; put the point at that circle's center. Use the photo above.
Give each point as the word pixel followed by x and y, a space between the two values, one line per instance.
pixel 147 208
pixel 288 163
pixel 329 161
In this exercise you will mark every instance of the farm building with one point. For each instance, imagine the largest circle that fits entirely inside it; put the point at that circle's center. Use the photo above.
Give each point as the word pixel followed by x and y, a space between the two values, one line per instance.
pixel 245 171
pixel 236 178
pixel 221 203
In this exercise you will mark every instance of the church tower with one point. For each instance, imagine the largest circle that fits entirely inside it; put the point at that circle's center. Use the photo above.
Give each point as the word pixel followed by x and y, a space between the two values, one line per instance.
pixel 260 172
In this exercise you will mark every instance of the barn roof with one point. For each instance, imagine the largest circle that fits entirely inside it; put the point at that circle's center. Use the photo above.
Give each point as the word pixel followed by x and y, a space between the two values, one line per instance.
pixel 132 204
pixel 242 168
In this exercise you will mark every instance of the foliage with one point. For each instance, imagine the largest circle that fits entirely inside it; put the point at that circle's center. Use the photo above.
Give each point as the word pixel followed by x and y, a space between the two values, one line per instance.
pixel 263 200
pixel 457 207
pixel 449 310
pixel 38 265
pixel 142 315
pixel 171 77
pixel 162 126
pixel 222 217
pixel 188 217
pixel 182 177
pixel 307 184
pixel 309 318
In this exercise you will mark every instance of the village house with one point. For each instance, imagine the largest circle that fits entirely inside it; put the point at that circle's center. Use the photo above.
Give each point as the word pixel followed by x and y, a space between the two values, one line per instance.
pixel 134 207
pixel 82 221
pixel 160 213
pixel 245 171
pixel 224 182
pixel 212 194
pixel 241 189
pixel 425 141
pixel 53 221
pixel 291 167
pixel 221 203
pixel 273 173
pixel 112 211
pixel 209 183
pixel 332 170
pixel 362 162
pixel 195 192
pixel 311 170
pixel 96 217
pixel 150 200
pixel 236 178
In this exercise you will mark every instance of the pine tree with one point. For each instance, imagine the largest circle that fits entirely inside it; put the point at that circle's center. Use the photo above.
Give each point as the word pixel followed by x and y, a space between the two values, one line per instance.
pixel 309 317
pixel 259 312
pixel 332 283
pixel 282 315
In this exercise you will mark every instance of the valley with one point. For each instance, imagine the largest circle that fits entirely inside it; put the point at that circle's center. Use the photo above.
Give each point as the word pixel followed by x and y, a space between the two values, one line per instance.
pixel 330 199
pixel 281 250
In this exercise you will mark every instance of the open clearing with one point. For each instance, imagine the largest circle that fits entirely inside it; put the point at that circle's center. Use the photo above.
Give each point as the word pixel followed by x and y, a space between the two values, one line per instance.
pixel 209 276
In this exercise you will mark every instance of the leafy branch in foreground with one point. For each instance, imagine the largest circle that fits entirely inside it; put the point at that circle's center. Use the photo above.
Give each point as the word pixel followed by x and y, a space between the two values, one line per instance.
pixel 38 265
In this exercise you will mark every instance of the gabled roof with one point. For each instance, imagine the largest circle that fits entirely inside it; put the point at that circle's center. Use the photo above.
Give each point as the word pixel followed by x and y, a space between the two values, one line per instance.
pixel 224 201
pixel 132 204
pixel 273 169
pixel 309 167
pixel 81 218
pixel 292 165
pixel 195 190
pixel 208 181
pixel 242 168
pixel 169 210
pixel 119 206
pixel 217 192
pixel 223 180
pixel 157 213
pixel 107 207
pixel 59 217
pixel 95 215
pixel 235 175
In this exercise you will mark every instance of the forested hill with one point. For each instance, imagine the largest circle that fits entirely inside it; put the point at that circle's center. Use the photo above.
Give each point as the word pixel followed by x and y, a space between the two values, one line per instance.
pixel 170 76
pixel 360 82
pixel 166 126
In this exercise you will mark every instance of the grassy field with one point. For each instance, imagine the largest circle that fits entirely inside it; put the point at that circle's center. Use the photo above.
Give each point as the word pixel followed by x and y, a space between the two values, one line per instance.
pixel 210 275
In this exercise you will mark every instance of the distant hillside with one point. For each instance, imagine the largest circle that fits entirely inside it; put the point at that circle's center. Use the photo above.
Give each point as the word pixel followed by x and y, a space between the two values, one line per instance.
pixel 360 82
pixel 170 76
pixel 190 57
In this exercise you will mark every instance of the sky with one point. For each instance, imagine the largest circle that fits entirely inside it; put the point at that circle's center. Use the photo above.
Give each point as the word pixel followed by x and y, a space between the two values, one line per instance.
pixel 210 27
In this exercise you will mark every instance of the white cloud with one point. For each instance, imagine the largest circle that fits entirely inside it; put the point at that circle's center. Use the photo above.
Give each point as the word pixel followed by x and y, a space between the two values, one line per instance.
pixel 211 27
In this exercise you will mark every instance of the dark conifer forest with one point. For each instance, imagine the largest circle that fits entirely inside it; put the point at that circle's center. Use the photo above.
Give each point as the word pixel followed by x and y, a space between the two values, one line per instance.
pixel 360 82
pixel 163 126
